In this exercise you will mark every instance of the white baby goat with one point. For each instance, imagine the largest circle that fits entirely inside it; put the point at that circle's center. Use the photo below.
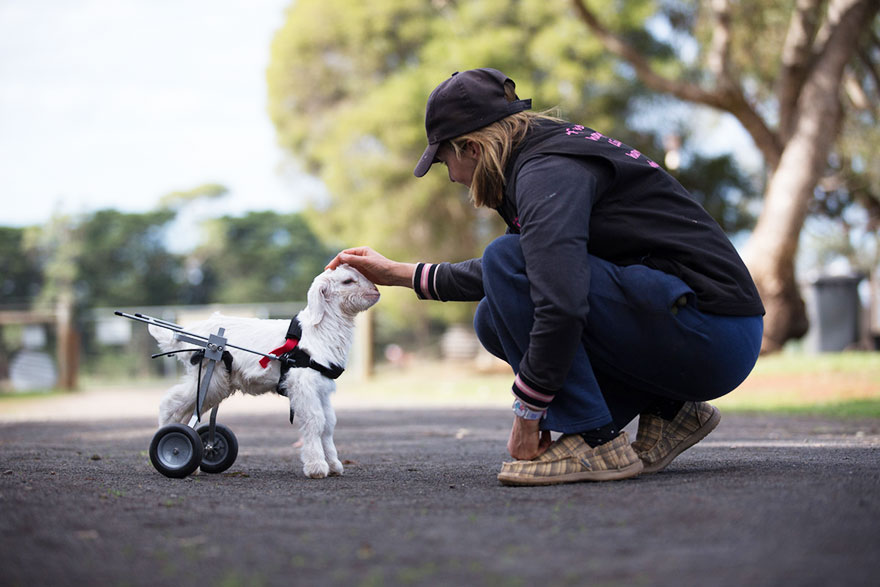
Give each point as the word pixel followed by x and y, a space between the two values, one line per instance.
pixel 334 298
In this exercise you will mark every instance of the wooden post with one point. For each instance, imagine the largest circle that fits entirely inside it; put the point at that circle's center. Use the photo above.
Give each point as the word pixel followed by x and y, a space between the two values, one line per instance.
pixel 363 345
pixel 68 344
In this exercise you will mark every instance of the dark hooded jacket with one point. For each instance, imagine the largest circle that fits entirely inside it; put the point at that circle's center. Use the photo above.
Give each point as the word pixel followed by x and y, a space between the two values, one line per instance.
pixel 572 192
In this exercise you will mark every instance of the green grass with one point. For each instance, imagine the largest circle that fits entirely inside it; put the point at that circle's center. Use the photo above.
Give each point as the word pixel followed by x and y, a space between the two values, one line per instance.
pixel 788 363
pixel 839 385
pixel 36 393
pixel 859 408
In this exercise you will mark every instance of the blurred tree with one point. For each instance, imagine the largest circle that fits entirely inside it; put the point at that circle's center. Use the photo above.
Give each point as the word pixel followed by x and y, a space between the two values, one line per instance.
pixel 57 247
pixel 348 84
pixel 176 200
pixel 21 279
pixel 21 276
pixel 112 258
pixel 794 74
pixel 124 261
pixel 105 258
pixel 260 257
pixel 722 188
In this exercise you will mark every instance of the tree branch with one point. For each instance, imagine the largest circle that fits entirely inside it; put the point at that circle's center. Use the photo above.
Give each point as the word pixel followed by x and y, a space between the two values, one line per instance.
pixel 840 38
pixel 718 58
pixel 870 67
pixel 728 95
pixel 797 58
pixel 856 93
pixel 622 49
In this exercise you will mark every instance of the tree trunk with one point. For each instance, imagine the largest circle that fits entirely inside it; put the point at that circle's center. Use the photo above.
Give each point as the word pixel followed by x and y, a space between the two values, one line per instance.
pixel 796 153
pixel 771 250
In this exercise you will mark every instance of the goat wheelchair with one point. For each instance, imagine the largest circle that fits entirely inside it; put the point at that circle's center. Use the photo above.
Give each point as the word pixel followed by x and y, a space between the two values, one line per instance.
pixel 177 450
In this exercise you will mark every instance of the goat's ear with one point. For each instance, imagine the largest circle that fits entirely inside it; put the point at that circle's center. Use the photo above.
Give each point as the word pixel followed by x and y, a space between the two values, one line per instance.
pixel 318 294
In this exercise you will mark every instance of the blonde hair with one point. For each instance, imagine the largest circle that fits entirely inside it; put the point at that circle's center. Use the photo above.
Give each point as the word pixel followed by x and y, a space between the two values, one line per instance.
pixel 496 142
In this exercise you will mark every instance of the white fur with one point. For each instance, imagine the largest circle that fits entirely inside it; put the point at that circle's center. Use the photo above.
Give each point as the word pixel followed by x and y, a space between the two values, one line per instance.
pixel 334 298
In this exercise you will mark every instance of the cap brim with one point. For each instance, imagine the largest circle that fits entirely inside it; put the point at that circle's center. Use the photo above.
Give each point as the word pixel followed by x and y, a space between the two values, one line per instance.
pixel 427 160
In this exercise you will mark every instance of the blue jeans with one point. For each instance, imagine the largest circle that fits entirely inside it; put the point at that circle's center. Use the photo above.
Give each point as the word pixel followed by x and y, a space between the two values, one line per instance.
pixel 639 347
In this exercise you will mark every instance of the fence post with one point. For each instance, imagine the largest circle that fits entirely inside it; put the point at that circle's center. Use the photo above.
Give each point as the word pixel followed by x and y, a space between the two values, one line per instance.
pixel 68 344
pixel 363 344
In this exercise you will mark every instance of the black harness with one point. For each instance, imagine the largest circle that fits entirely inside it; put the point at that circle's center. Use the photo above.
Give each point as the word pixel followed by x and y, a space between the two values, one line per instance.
pixel 297 357
pixel 300 358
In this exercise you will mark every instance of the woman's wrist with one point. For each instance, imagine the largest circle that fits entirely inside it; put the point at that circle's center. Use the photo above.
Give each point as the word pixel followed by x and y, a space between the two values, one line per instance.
pixel 403 274
pixel 526 413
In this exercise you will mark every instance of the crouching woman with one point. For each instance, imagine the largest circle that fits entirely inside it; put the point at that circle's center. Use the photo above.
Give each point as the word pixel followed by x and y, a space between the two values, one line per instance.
pixel 613 295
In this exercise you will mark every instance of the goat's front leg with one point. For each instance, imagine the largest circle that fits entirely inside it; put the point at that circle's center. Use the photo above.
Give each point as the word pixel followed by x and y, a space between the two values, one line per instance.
pixel 307 406
pixel 327 436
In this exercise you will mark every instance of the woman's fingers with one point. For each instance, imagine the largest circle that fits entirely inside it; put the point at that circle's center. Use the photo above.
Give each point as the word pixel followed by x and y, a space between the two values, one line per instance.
pixel 375 267
pixel 349 256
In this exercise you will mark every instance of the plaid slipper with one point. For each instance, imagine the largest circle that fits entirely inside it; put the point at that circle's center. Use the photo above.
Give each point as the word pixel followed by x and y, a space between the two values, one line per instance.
pixel 658 441
pixel 570 459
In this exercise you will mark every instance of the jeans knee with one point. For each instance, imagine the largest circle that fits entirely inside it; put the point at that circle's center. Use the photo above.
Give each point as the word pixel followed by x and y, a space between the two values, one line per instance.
pixel 483 322
pixel 503 253
pixel 484 327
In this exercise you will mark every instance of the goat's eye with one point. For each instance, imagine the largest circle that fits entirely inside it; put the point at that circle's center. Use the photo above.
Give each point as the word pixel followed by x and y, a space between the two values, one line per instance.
pixel 348 281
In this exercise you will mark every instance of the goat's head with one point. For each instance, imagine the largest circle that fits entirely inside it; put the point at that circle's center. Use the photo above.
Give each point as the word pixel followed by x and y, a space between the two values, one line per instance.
pixel 342 290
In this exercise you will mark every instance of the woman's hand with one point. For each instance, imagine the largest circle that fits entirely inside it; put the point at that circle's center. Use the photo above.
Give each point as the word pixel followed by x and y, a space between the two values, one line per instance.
pixel 527 441
pixel 375 267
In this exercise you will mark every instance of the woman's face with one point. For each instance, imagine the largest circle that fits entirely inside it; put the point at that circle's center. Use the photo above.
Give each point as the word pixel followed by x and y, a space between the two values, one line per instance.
pixel 461 169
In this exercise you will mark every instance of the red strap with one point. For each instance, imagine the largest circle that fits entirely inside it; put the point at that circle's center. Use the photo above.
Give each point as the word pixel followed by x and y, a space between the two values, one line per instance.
pixel 288 345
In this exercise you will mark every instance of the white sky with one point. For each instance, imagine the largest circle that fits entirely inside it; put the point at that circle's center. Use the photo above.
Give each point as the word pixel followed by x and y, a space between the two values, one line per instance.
pixel 115 103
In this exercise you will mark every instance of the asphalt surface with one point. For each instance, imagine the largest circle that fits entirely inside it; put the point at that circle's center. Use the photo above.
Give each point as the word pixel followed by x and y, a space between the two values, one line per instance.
pixel 762 501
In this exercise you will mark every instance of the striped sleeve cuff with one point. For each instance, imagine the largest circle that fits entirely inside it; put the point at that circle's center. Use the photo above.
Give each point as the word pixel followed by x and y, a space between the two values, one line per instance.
pixel 425 281
pixel 534 397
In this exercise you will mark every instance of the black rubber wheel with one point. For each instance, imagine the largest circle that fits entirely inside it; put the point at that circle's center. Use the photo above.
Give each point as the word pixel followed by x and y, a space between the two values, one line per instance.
pixel 176 451
pixel 219 455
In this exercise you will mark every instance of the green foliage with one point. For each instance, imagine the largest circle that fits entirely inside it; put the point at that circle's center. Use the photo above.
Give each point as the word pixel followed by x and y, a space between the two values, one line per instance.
pixel 722 189
pixel 178 199
pixel 124 260
pixel 261 257
pixel 57 246
pixel 348 84
pixel 114 259
pixel 111 258
pixel 21 276
pixel 760 28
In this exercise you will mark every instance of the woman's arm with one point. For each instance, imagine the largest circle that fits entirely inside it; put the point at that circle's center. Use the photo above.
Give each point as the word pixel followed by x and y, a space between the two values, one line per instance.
pixel 555 197
pixel 375 267
pixel 459 282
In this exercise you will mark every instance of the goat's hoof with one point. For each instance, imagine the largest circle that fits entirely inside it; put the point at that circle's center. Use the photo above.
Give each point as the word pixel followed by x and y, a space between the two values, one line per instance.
pixel 335 467
pixel 316 470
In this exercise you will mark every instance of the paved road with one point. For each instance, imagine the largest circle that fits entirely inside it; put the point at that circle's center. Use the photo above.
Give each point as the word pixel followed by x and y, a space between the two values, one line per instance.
pixel 762 501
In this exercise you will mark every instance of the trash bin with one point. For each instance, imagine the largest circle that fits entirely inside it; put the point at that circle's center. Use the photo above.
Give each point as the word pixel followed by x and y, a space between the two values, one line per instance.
pixel 834 310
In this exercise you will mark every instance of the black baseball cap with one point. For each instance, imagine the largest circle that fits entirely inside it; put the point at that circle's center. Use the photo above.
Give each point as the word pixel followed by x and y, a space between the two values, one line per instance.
pixel 465 102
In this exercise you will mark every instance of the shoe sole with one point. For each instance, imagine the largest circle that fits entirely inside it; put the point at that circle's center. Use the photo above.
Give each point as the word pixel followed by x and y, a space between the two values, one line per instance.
pixel 695 437
pixel 607 475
